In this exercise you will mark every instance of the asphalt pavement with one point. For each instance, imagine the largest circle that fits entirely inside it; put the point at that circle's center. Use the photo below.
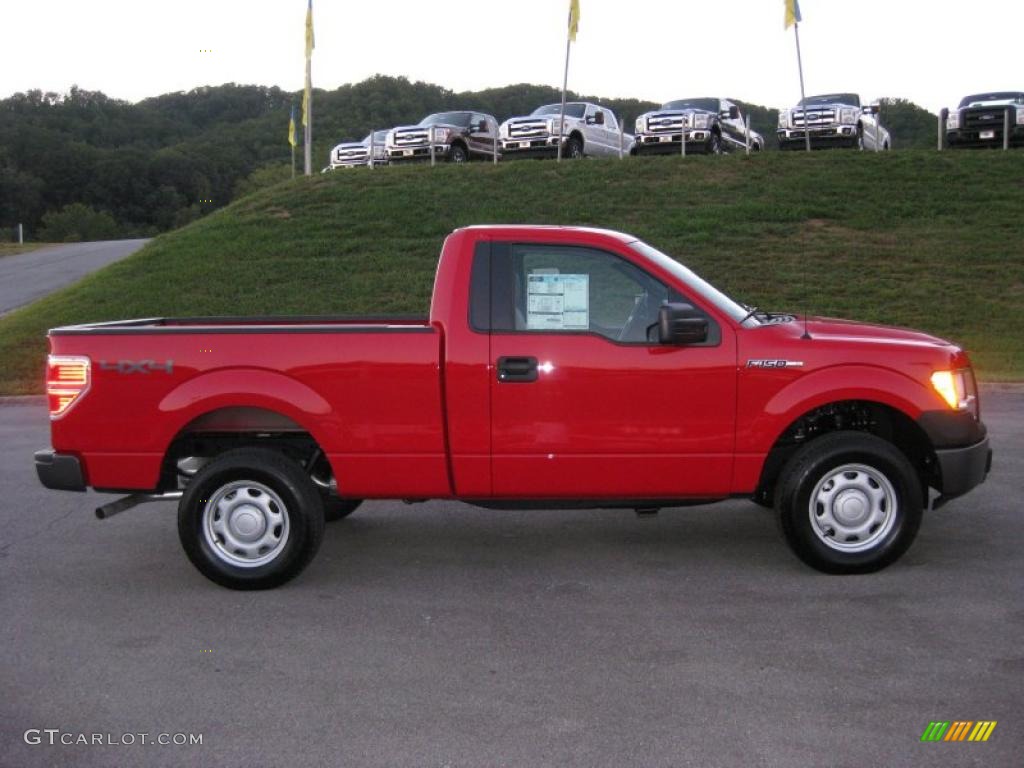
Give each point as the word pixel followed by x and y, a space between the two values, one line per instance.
pixel 444 635
pixel 26 277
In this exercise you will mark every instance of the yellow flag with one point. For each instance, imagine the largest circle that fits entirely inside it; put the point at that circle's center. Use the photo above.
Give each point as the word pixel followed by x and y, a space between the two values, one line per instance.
pixel 305 105
pixel 291 128
pixel 792 12
pixel 574 18
pixel 309 29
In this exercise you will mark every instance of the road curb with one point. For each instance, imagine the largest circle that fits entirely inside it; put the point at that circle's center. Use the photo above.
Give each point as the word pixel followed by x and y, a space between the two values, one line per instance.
pixel 22 400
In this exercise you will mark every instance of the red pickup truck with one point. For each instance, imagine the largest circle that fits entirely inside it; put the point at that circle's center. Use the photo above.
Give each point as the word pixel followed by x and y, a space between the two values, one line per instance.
pixel 558 367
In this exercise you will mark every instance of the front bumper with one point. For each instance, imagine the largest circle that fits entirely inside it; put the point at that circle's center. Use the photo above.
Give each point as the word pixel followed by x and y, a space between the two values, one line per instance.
pixel 962 469
pixel 827 136
pixel 963 137
pixel 59 471
pixel 697 140
pixel 408 154
pixel 531 146
pixel 962 451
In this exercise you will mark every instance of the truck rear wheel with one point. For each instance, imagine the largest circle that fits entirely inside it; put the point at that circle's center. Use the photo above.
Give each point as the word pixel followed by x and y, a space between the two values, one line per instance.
pixel 849 502
pixel 251 519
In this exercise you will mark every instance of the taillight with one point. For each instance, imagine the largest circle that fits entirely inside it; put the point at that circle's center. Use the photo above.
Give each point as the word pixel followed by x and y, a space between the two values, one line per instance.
pixel 67 379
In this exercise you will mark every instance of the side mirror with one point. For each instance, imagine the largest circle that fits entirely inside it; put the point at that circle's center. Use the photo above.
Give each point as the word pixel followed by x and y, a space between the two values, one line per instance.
pixel 599 118
pixel 681 324
pixel 872 109
pixel 482 126
pixel 734 112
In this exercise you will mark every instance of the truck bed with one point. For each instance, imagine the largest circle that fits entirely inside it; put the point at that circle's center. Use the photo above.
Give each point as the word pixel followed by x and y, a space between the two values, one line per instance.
pixel 367 389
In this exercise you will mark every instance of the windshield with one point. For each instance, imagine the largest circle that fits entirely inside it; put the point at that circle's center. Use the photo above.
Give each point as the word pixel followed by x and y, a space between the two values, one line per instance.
pixel 999 99
pixel 691 279
pixel 708 105
pixel 461 119
pixel 379 137
pixel 835 98
pixel 574 109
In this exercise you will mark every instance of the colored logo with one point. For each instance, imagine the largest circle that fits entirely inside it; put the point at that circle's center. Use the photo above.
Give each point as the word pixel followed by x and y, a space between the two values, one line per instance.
pixel 959 730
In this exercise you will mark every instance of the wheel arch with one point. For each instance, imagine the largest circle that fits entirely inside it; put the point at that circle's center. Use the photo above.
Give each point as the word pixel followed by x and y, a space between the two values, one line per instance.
pixel 881 419
pixel 244 404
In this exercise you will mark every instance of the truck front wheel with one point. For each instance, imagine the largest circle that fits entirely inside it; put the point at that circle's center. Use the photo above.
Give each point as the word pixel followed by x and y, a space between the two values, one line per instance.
pixel 251 519
pixel 849 502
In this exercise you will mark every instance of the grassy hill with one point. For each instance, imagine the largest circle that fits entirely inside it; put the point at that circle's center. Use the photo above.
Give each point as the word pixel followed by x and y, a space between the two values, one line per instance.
pixel 922 239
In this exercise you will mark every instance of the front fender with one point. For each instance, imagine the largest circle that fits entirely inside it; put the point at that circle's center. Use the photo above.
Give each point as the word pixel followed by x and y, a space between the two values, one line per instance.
pixel 247 387
pixel 830 385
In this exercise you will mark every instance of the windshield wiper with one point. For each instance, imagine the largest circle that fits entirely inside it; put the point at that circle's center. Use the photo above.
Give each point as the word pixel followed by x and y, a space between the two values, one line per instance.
pixel 753 311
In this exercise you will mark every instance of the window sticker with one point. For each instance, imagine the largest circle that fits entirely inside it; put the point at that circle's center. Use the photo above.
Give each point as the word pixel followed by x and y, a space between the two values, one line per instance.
pixel 557 302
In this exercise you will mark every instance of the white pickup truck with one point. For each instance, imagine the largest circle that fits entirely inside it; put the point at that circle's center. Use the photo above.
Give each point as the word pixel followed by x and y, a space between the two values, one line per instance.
pixel 589 130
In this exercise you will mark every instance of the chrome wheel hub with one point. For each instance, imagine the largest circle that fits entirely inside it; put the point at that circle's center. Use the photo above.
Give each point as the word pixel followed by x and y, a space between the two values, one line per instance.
pixel 852 508
pixel 245 524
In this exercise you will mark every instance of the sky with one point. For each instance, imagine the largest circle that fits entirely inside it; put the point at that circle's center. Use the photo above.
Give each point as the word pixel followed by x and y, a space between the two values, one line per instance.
pixel 932 52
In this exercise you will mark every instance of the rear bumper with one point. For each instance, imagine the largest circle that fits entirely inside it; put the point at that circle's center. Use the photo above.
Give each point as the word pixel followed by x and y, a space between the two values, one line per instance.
pixel 59 471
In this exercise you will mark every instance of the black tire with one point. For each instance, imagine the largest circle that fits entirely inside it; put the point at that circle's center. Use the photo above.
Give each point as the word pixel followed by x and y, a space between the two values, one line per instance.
pixel 715 144
pixel 873 462
pixel 858 140
pixel 253 480
pixel 574 148
pixel 336 508
pixel 458 154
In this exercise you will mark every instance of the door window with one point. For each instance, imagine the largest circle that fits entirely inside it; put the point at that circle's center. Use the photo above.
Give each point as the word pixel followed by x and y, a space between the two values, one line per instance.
pixel 570 289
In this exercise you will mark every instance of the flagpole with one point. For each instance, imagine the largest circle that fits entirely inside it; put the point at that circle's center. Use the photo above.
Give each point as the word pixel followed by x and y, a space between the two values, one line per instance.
pixel 803 97
pixel 565 84
pixel 307 129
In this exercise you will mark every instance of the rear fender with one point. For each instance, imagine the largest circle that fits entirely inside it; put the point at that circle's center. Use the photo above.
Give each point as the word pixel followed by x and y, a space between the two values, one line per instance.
pixel 249 388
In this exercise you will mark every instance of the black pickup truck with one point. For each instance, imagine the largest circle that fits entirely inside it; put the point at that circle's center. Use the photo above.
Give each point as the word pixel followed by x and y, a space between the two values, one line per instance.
pixel 981 118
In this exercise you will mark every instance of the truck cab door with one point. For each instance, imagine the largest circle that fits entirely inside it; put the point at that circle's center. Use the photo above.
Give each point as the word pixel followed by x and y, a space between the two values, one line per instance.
pixel 586 403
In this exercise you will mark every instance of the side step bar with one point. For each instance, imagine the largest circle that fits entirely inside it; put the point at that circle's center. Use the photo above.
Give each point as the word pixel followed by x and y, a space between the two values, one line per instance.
pixel 126 503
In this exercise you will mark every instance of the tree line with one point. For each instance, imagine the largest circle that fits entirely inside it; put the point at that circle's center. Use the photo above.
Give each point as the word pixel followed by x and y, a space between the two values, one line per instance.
pixel 82 165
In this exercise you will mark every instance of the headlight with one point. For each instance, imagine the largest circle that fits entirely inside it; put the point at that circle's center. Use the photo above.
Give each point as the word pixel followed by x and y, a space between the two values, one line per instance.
pixel 503 130
pixel 638 126
pixel 783 118
pixel 953 121
pixel 389 138
pixel 847 115
pixel 1020 115
pixel 956 388
pixel 701 121
pixel 553 127
pixel 441 134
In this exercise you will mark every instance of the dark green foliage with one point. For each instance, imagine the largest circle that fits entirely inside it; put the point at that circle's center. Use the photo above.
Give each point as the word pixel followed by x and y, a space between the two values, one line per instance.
pixel 914 238
pixel 77 222
pixel 170 159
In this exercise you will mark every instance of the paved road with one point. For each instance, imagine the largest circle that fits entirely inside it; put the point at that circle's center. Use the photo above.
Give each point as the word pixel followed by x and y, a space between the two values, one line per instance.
pixel 442 635
pixel 29 276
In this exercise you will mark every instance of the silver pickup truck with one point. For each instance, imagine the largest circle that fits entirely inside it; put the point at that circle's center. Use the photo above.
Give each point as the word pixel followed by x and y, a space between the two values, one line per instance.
pixel 711 126
pixel 833 120
pixel 589 130
pixel 353 154
pixel 457 137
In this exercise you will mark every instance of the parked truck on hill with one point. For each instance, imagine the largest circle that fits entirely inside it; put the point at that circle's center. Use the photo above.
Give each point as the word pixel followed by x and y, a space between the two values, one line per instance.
pixel 711 125
pixel 457 137
pixel 355 154
pixel 981 119
pixel 833 120
pixel 588 130
pixel 557 367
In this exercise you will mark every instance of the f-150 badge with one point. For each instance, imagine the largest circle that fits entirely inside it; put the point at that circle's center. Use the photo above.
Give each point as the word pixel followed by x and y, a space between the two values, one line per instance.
pixel 775 363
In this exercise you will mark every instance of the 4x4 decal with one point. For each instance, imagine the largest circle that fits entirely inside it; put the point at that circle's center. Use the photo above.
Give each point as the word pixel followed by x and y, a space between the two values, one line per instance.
pixel 139 366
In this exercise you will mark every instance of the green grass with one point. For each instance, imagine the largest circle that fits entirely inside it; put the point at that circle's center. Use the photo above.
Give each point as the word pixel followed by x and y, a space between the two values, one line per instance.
pixel 9 249
pixel 922 239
